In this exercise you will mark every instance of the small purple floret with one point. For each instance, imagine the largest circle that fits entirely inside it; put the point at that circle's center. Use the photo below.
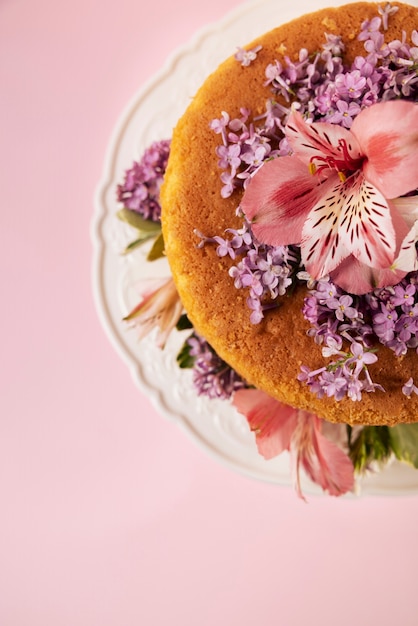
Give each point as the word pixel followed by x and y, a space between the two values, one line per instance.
pixel 246 57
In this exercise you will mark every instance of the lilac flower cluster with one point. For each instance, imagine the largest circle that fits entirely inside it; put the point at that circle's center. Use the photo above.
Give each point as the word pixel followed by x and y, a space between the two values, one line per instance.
pixel 325 90
pixel 394 312
pixel 266 271
pixel 140 190
pixel 246 146
pixel 322 89
pixel 339 320
pixel 211 375
pixel 388 316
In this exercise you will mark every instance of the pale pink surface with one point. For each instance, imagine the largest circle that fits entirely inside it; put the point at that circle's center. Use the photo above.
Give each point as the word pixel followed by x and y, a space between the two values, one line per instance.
pixel 110 515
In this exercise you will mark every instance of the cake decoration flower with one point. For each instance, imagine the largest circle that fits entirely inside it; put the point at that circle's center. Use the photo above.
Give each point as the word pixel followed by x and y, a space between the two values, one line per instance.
pixel 246 57
pixel 279 427
pixel 140 190
pixel 159 308
pixel 139 195
pixel 338 196
pixel 409 388
pixel 212 376
pixel 386 11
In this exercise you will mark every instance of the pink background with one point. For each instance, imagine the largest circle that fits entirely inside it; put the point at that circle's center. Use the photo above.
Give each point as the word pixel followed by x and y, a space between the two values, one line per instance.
pixel 110 515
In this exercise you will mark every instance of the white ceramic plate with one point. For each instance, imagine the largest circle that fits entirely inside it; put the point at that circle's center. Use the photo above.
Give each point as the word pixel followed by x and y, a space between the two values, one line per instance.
pixel 151 116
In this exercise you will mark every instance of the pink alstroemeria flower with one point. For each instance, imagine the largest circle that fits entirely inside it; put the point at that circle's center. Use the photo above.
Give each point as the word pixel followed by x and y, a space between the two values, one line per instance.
pixel 161 308
pixel 338 196
pixel 279 427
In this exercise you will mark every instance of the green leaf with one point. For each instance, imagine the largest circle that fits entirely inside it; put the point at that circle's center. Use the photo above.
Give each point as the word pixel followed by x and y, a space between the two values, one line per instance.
pixel 184 323
pixel 146 229
pixel 184 359
pixel 137 242
pixel 373 443
pixel 404 438
pixel 157 250
pixel 136 220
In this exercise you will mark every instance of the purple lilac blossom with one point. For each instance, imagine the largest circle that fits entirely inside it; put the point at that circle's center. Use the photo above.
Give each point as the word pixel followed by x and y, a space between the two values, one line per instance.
pixel 244 146
pixel 266 271
pixel 246 57
pixel 140 190
pixel 386 11
pixel 395 318
pixel 387 316
pixel 336 316
pixel 409 388
pixel 212 377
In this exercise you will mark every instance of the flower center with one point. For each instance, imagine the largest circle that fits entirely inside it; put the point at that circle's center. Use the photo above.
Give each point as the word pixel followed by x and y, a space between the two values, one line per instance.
pixel 344 164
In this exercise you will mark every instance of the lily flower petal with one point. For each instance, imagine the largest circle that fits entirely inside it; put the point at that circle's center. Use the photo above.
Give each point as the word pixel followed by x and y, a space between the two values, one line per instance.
pixel 353 219
pixel 336 196
pixel 279 198
pixel 324 462
pixel 387 133
pixel 272 422
pixel 279 427
pixel 160 308
pixel 359 278
pixel 407 208
pixel 322 142
pixel 407 259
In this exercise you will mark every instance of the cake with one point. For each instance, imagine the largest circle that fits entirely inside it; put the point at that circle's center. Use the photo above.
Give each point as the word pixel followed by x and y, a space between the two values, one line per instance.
pixel 286 204
pixel 276 348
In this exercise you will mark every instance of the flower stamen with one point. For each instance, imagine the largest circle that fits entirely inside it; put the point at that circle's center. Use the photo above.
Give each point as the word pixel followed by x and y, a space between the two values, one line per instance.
pixel 312 168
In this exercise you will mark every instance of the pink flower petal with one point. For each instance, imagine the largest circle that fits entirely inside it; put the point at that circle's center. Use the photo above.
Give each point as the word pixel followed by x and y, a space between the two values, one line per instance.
pixel 387 133
pixel 279 427
pixel 324 462
pixel 354 218
pixel 405 220
pixel 321 247
pixel 353 276
pixel 359 278
pixel 407 258
pixel 407 208
pixel 160 308
pixel 279 198
pixel 321 139
pixel 272 422
pixel 366 224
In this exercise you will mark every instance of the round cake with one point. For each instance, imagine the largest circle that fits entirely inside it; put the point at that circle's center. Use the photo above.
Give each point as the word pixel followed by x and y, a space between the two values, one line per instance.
pixel 199 207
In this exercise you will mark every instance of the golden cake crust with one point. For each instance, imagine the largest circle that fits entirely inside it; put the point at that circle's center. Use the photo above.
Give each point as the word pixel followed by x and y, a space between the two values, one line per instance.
pixel 268 355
